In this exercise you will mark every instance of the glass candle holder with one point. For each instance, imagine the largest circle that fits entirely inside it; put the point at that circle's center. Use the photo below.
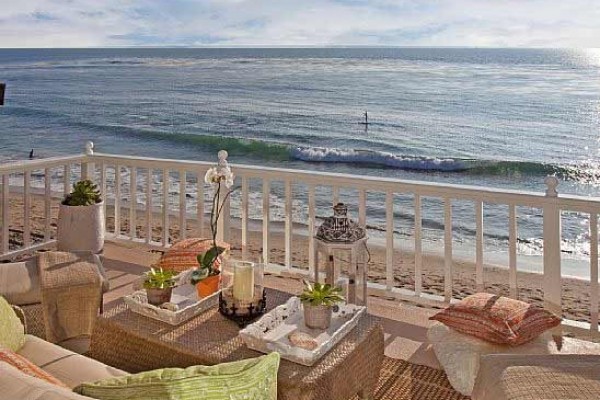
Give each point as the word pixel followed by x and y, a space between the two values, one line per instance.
pixel 242 291
pixel 243 280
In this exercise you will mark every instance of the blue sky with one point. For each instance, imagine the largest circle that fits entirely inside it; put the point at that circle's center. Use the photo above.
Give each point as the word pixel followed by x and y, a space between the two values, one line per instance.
pixel 487 23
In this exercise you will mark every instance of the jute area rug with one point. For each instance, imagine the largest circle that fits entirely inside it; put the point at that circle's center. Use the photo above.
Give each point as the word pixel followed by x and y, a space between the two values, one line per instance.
pixel 400 380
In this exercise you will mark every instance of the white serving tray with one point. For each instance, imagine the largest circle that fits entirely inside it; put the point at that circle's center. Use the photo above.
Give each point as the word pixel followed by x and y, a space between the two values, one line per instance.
pixel 184 296
pixel 271 332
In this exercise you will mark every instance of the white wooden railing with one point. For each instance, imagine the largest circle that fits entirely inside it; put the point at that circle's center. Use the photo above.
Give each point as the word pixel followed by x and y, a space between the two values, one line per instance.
pixel 118 175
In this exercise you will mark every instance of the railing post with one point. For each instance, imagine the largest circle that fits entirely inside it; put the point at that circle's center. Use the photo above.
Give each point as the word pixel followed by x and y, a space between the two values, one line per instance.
pixel 224 219
pixel 87 168
pixel 552 241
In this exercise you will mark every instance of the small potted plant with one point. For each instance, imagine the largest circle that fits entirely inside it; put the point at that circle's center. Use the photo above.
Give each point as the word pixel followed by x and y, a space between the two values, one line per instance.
pixel 207 277
pixel 159 285
pixel 318 301
pixel 81 219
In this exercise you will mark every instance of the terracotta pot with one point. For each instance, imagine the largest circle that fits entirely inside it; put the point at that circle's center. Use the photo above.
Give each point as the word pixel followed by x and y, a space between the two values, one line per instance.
pixel 317 317
pixel 156 296
pixel 208 286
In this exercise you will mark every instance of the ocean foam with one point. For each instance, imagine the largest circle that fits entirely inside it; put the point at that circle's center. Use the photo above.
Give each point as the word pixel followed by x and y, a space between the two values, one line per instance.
pixel 313 154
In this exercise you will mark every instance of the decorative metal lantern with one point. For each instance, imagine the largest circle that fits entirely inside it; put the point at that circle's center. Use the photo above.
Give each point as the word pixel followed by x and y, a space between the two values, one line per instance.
pixel 340 228
pixel 242 298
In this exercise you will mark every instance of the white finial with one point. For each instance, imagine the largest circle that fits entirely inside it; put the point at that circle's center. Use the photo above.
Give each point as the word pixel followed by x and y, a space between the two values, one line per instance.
pixel 551 182
pixel 89 148
pixel 222 165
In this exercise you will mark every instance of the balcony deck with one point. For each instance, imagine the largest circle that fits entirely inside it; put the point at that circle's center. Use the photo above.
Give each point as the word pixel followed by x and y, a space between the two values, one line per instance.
pixel 405 325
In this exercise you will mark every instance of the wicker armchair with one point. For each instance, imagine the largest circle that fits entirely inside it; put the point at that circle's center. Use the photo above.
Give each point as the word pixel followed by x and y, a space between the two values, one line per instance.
pixel 20 286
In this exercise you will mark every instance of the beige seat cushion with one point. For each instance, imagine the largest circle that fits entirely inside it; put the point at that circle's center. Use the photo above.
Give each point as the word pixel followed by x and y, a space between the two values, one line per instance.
pixel 16 385
pixel 71 368
pixel 459 354
pixel 20 282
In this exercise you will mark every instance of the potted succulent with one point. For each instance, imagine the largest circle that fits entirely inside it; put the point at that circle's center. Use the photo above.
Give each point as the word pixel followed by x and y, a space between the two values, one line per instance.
pixel 207 277
pixel 318 301
pixel 81 219
pixel 159 285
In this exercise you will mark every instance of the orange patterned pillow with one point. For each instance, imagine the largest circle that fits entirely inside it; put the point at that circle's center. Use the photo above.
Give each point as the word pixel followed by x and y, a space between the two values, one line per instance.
pixel 497 319
pixel 182 255
pixel 27 367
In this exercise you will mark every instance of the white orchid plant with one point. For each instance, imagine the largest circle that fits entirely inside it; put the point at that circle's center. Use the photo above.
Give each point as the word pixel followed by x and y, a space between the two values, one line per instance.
pixel 221 179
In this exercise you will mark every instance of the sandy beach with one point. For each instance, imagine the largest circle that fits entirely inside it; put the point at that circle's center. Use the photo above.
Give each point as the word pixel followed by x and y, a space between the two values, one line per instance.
pixel 575 292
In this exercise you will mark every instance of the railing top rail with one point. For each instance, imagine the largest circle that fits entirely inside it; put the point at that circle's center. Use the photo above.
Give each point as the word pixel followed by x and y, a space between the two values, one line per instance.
pixel 29 165
pixel 433 189
pixel 492 195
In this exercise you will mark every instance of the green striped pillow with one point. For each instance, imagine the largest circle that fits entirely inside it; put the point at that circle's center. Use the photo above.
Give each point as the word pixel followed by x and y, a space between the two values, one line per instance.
pixel 12 331
pixel 253 379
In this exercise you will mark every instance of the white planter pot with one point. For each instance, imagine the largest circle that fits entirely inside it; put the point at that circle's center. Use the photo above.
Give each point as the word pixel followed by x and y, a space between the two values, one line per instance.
pixel 81 228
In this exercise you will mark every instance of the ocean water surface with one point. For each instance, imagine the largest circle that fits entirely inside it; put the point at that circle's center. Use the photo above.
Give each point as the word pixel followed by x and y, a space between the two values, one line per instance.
pixel 489 117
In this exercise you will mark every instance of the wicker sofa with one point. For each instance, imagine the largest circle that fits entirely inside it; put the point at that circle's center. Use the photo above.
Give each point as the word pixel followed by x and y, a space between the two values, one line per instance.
pixel 69 367
pixel 19 285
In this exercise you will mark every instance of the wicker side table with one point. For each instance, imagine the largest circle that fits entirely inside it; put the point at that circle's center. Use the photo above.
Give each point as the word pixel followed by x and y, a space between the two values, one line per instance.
pixel 135 343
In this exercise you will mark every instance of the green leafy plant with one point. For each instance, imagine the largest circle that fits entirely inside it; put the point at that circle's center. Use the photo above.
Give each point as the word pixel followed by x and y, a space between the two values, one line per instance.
pixel 158 278
pixel 84 193
pixel 319 294
pixel 206 264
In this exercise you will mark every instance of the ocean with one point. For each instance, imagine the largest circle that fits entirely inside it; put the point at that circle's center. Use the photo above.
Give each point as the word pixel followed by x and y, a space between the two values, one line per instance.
pixel 501 118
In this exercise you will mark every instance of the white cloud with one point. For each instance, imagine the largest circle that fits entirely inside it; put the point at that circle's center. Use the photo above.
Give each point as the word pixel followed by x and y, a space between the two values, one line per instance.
pixel 495 23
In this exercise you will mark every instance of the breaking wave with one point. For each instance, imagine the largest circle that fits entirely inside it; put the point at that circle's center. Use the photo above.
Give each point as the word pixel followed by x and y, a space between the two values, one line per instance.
pixel 419 163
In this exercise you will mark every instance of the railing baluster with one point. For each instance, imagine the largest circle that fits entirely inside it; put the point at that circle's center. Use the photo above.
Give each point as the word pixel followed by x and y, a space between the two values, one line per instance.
pixel 165 207
pixel 594 273
pixel 245 217
pixel 200 203
pixel 67 179
pixel 266 219
pixel 27 209
pixel 289 224
pixel 5 212
pixel 117 205
pixel 479 246
pixel 47 202
pixel 362 208
pixel 132 202
pixel 149 212
pixel 512 250
pixel 418 246
pixel 103 187
pixel 389 234
pixel 182 204
pixel 552 249
pixel 311 228
pixel 335 195
pixel 447 249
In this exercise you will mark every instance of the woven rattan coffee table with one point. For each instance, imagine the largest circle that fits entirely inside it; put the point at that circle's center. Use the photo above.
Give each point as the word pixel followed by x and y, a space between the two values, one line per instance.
pixel 135 343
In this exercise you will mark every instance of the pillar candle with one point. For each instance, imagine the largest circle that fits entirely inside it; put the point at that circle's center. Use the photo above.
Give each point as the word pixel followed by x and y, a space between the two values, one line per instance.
pixel 243 282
